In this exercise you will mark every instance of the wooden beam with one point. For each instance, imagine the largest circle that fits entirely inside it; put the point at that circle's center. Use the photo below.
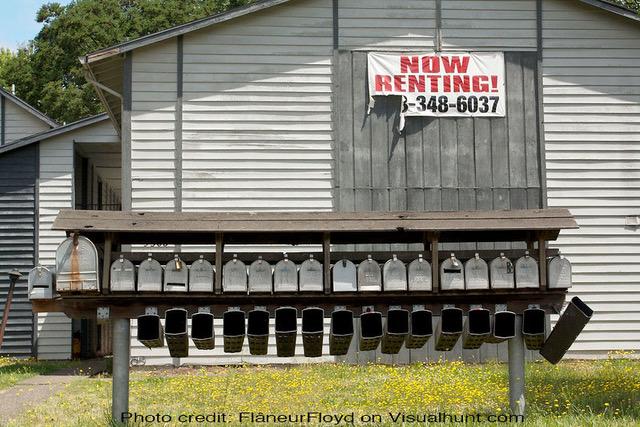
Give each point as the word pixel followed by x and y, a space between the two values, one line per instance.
pixel 542 261
pixel 435 262
pixel 219 255
pixel 106 263
pixel 326 252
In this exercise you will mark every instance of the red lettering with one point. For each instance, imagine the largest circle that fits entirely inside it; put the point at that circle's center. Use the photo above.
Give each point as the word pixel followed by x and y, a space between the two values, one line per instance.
pixel 480 84
pixel 461 84
pixel 434 82
pixel 455 64
pixel 383 83
pixel 430 64
pixel 447 83
pixel 399 83
pixel 416 83
pixel 409 64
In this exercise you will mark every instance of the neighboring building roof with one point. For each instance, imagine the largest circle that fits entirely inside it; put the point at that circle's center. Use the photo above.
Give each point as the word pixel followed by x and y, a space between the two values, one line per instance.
pixel 22 104
pixel 53 132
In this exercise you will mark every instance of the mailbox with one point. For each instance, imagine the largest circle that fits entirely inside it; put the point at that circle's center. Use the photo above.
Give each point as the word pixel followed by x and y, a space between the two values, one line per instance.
pixel 533 328
pixel 370 330
pixel 201 276
pixel 449 328
pixel 341 332
pixel 233 330
pixel 419 272
pixel 286 330
pixel 40 283
pixel 344 276
pixel 396 330
pixel 503 327
pixel 285 276
pixel 569 325
pixel 451 274
pixel 123 276
pixel 150 275
pixel 476 273
pixel 527 272
pixel 77 265
pixel 421 329
pixel 369 276
pixel 202 333
pixel 258 332
pixel 312 331
pixel 394 275
pixel 502 273
pixel 260 277
pixel 234 276
pixel 559 273
pixel 150 332
pixel 476 329
pixel 175 332
pixel 311 276
pixel 176 275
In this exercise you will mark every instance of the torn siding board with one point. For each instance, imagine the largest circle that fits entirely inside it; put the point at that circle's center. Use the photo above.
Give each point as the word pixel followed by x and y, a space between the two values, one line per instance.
pixel 592 125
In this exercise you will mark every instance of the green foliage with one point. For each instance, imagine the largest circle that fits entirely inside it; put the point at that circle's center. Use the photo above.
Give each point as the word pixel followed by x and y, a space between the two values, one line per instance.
pixel 630 4
pixel 47 73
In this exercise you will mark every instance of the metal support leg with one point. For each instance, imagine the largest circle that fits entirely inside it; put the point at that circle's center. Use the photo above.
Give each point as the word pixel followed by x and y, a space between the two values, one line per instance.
pixel 120 390
pixel 516 370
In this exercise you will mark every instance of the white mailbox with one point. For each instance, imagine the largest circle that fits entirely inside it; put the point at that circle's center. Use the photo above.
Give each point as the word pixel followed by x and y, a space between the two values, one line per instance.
pixel 527 275
pixel 394 275
pixel 176 276
pixel 344 276
pixel 234 276
pixel 40 283
pixel 122 276
pixel 419 275
pixel 77 265
pixel 502 273
pixel 260 276
pixel 369 276
pixel 201 276
pixel 476 273
pixel 451 274
pixel 559 273
pixel 311 276
pixel 285 276
pixel 150 275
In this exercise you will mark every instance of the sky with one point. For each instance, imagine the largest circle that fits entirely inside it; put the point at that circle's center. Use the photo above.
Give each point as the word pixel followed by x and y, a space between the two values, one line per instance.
pixel 18 21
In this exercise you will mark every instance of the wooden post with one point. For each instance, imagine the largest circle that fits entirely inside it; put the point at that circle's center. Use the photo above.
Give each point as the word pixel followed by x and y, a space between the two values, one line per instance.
pixel 530 246
pixel 326 251
pixel 106 263
pixel 219 253
pixel 542 261
pixel 435 262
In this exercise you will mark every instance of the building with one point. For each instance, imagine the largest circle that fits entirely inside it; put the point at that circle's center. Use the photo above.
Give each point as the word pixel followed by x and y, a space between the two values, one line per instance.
pixel 266 108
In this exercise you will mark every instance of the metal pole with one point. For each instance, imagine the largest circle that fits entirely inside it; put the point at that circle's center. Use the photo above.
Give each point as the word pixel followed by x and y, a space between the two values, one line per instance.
pixel 516 370
pixel 120 389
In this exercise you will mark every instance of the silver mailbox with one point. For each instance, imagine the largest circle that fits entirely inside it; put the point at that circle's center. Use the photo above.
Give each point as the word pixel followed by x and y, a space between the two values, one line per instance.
pixel 77 266
pixel 311 276
pixel 285 276
pixel 559 273
pixel 419 275
pixel 344 276
pixel 369 276
pixel 502 273
pixel 201 276
pixel 476 273
pixel 150 275
pixel 451 274
pixel 122 276
pixel 260 276
pixel 394 275
pixel 40 283
pixel 176 276
pixel 527 275
pixel 234 276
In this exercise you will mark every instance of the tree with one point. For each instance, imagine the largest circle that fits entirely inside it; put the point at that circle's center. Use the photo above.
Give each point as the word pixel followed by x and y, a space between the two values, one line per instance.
pixel 47 73
pixel 630 4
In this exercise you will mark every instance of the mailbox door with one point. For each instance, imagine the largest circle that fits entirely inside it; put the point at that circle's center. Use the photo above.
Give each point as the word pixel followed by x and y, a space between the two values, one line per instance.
pixel 369 276
pixel 260 277
pixel 559 273
pixel 77 266
pixel 285 276
pixel 201 276
pixel 527 273
pixel 420 275
pixel 395 275
pixel 476 274
pixel 150 276
pixel 451 276
pixel 176 280
pixel 40 283
pixel 311 276
pixel 123 276
pixel 502 273
pixel 234 276
pixel 344 276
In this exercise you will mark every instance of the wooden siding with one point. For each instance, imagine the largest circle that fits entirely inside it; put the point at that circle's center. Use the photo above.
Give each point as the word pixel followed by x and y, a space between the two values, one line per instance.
pixel 18 174
pixel 19 123
pixel 592 132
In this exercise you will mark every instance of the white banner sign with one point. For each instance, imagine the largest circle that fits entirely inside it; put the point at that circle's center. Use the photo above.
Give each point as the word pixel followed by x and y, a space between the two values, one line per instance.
pixel 441 84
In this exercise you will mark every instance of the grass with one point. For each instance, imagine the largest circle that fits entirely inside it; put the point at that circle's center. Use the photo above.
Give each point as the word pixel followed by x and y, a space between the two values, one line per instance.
pixel 13 370
pixel 599 393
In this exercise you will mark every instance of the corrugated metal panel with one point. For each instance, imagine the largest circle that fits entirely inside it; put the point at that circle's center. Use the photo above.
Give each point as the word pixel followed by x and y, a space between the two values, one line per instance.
pixel 19 123
pixel 18 173
pixel 592 123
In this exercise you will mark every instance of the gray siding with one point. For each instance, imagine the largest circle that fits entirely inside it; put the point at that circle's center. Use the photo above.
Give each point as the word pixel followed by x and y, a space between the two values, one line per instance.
pixel 18 175
pixel 19 123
